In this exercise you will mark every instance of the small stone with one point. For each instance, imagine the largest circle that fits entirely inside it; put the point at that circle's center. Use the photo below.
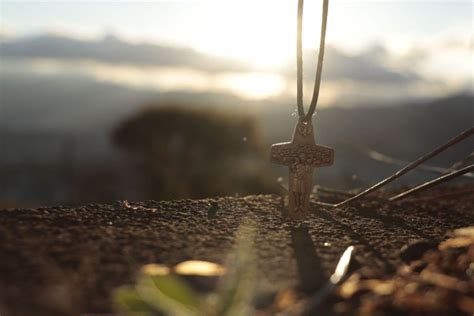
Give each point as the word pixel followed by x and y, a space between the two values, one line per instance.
pixel 465 232
pixel 458 242
pixel 415 250
pixel 212 211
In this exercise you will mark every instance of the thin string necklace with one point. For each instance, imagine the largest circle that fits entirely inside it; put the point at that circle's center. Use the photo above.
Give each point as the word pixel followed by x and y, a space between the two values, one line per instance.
pixel 299 62
pixel 302 154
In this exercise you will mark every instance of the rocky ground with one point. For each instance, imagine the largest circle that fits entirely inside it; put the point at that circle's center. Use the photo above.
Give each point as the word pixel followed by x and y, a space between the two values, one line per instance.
pixel 66 261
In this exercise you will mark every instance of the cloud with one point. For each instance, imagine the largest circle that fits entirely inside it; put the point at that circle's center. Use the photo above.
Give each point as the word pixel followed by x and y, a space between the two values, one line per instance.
pixel 375 74
pixel 457 42
pixel 111 49
pixel 4 33
pixel 444 57
pixel 369 66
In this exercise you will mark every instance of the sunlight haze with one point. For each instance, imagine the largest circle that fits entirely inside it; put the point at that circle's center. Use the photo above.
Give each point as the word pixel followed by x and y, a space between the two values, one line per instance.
pixel 432 39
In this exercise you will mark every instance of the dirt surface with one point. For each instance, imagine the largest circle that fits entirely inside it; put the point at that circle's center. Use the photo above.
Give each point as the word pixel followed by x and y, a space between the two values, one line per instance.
pixel 440 282
pixel 61 260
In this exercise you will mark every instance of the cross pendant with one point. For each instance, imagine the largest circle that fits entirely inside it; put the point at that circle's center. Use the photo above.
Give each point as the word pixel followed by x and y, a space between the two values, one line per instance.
pixel 301 156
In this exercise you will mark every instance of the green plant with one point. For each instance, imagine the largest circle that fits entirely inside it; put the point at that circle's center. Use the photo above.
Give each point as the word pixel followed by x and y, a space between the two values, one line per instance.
pixel 168 294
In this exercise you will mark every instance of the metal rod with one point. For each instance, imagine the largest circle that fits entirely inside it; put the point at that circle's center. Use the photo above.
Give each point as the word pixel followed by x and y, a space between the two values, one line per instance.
pixel 467 133
pixel 434 182
pixel 323 204
pixel 378 156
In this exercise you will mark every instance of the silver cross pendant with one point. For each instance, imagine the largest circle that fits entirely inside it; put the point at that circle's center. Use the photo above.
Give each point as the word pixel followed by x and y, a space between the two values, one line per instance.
pixel 301 156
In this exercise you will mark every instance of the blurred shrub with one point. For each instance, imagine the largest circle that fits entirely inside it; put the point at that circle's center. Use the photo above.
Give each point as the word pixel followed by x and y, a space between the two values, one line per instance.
pixel 182 152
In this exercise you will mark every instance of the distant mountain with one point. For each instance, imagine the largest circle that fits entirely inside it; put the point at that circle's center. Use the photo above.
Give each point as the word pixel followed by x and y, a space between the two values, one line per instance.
pixel 72 103
pixel 403 131
pixel 49 125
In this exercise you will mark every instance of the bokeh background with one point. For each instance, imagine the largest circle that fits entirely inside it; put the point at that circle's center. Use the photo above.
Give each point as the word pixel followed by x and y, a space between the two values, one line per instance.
pixel 108 100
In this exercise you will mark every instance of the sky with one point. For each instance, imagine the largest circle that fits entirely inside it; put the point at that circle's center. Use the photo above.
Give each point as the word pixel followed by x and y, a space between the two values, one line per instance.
pixel 430 38
pixel 245 29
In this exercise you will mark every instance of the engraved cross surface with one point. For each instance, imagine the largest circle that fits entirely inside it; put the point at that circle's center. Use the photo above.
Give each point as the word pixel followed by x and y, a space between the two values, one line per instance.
pixel 301 155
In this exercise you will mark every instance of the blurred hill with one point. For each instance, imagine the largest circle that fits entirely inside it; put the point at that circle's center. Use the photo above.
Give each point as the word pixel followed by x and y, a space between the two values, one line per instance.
pixel 66 103
pixel 62 98
pixel 74 156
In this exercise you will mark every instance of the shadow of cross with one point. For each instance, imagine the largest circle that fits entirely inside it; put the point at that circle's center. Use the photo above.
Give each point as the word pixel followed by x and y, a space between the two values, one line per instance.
pixel 301 156
pixel 310 272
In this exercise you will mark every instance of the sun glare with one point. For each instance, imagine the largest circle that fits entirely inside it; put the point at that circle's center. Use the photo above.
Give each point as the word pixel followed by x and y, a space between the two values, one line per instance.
pixel 262 33
pixel 253 85
pixel 247 31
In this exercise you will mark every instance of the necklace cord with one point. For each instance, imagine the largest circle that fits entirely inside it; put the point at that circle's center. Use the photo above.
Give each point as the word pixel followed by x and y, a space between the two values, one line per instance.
pixel 299 59
pixel 317 82
pixel 299 63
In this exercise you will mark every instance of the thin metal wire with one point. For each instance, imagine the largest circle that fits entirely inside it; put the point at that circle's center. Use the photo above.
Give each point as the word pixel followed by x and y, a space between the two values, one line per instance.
pixel 378 156
pixel 467 133
pixel 433 182
pixel 299 62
